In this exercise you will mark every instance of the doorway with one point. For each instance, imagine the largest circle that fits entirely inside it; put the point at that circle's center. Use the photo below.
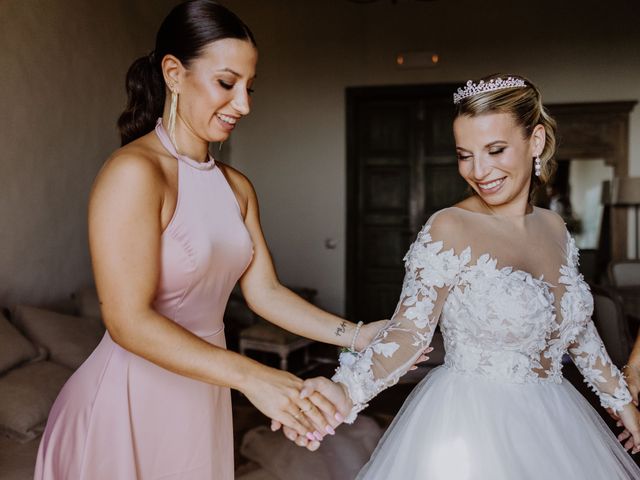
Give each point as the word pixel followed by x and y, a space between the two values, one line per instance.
pixel 401 168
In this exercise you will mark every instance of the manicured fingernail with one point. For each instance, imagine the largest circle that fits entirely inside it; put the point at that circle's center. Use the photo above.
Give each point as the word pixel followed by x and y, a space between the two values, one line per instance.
pixel 317 435
pixel 338 416
pixel 304 393
pixel 330 430
pixel 310 436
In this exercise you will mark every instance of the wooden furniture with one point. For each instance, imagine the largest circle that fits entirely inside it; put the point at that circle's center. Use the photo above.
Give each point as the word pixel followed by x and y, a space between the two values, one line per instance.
pixel 612 324
pixel 624 275
pixel 267 337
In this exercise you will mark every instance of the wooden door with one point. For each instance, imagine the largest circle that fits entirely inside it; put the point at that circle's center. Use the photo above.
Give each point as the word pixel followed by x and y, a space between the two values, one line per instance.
pixel 401 168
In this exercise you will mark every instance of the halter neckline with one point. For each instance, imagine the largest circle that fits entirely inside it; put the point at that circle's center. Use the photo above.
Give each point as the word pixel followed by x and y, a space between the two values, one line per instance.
pixel 163 136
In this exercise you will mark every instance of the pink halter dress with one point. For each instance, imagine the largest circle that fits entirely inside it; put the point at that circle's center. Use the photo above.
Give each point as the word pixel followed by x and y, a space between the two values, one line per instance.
pixel 121 417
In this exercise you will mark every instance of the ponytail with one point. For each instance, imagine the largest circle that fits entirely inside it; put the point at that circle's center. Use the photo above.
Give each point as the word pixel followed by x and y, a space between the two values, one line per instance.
pixel 145 92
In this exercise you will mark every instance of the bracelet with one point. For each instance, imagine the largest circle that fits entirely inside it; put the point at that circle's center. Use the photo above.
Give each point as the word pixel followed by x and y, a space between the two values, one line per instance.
pixel 355 336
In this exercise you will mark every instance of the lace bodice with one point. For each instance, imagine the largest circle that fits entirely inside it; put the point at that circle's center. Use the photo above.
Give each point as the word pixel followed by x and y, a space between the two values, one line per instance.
pixel 508 322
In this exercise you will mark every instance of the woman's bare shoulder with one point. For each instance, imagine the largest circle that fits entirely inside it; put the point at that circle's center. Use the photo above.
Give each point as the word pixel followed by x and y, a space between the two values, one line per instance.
pixel 136 166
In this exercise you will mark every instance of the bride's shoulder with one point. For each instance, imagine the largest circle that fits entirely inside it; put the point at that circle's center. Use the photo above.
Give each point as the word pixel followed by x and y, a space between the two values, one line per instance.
pixel 446 223
pixel 551 220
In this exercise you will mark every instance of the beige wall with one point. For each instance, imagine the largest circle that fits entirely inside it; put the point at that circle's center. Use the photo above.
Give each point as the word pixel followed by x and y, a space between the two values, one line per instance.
pixel 62 74
pixel 62 68
pixel 293 144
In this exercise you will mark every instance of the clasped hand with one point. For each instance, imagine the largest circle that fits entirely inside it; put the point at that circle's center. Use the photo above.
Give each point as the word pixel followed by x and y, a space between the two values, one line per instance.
pixel 629 417
pixel 321 396
pixel 332 400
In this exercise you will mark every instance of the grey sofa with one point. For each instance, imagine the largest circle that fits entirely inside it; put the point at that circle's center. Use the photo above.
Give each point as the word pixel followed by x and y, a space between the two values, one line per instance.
pixel 39 350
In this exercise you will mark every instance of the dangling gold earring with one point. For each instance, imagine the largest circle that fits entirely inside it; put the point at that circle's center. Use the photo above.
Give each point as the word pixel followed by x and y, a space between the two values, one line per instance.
pixel 220 146
pixel 173 113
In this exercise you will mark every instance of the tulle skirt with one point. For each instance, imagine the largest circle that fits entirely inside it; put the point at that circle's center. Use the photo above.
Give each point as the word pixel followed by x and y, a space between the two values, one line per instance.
pixel 459 427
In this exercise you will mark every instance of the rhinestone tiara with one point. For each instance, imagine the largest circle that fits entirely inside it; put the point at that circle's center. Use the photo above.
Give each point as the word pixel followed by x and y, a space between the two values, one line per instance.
pixel 494 84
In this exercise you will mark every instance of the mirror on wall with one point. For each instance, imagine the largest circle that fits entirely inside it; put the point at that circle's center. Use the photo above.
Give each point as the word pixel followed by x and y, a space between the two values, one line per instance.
pixel 575 193
pixel 585 181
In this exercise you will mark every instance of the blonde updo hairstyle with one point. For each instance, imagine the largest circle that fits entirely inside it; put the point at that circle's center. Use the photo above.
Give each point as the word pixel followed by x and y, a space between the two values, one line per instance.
pixel 525 105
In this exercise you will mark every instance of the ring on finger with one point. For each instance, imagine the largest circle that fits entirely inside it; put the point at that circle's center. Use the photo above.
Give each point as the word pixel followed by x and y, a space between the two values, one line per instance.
pixel 307 409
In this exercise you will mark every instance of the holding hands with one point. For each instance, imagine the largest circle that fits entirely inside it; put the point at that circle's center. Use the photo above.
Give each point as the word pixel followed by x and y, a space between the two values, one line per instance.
pixel 328 398
pixel 277 395
pixel 325 396
pixel 629 418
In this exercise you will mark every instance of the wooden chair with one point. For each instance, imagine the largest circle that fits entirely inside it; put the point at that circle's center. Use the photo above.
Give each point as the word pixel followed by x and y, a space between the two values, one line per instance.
pixel 266 337
pixel 624 273
pixel 611 323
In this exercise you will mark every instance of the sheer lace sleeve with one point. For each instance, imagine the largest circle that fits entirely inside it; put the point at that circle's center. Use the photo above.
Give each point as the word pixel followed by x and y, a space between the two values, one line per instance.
pixel 586 347
pixel 430 273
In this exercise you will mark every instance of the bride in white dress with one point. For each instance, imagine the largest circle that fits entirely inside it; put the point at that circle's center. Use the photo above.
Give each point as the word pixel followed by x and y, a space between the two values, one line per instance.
pixel 501 277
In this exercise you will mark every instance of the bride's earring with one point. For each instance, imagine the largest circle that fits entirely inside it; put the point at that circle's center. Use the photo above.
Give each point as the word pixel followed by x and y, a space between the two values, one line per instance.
pixel 173 113
pixel 537 166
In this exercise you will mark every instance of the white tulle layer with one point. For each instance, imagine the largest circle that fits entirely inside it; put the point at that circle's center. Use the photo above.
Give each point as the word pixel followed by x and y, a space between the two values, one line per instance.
pixel 455 426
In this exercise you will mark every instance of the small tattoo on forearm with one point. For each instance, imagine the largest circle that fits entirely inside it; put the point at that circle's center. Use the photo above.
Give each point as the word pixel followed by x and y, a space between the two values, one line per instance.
pixel 341 328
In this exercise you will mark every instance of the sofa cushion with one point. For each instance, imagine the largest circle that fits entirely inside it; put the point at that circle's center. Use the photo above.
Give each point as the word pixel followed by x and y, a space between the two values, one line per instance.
pixel 14 347
pixel 17 459
pixel 26 395
pixel 68 339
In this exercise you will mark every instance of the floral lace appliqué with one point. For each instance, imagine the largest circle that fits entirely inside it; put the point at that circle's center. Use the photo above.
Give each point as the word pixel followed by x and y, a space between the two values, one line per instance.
pixel 497 323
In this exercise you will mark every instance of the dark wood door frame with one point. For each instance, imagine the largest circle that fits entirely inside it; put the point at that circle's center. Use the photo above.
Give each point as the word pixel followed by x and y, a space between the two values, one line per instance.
pixel 354 97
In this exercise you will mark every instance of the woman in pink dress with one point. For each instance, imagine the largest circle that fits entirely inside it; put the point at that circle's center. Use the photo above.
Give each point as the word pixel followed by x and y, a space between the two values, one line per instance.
pixel 171 232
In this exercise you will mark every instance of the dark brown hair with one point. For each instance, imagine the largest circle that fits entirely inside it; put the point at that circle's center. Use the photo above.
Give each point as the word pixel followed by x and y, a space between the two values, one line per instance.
pixel 184 33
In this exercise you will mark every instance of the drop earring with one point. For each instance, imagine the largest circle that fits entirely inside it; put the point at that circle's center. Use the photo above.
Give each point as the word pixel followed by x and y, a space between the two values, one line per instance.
pixel 537 166
pixel 173 113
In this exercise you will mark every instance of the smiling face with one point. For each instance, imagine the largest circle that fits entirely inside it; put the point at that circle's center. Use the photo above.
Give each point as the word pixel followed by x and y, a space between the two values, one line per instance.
pixel 495 157
pixel 215 90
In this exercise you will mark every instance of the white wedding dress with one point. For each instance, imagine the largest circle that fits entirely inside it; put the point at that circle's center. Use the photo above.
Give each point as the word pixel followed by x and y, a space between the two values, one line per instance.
pixel 511 304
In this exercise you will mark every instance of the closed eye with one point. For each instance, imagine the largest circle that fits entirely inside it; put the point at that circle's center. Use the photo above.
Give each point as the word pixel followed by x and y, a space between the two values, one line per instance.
pixel 497 151
pixel 225 85
pixel 463 157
